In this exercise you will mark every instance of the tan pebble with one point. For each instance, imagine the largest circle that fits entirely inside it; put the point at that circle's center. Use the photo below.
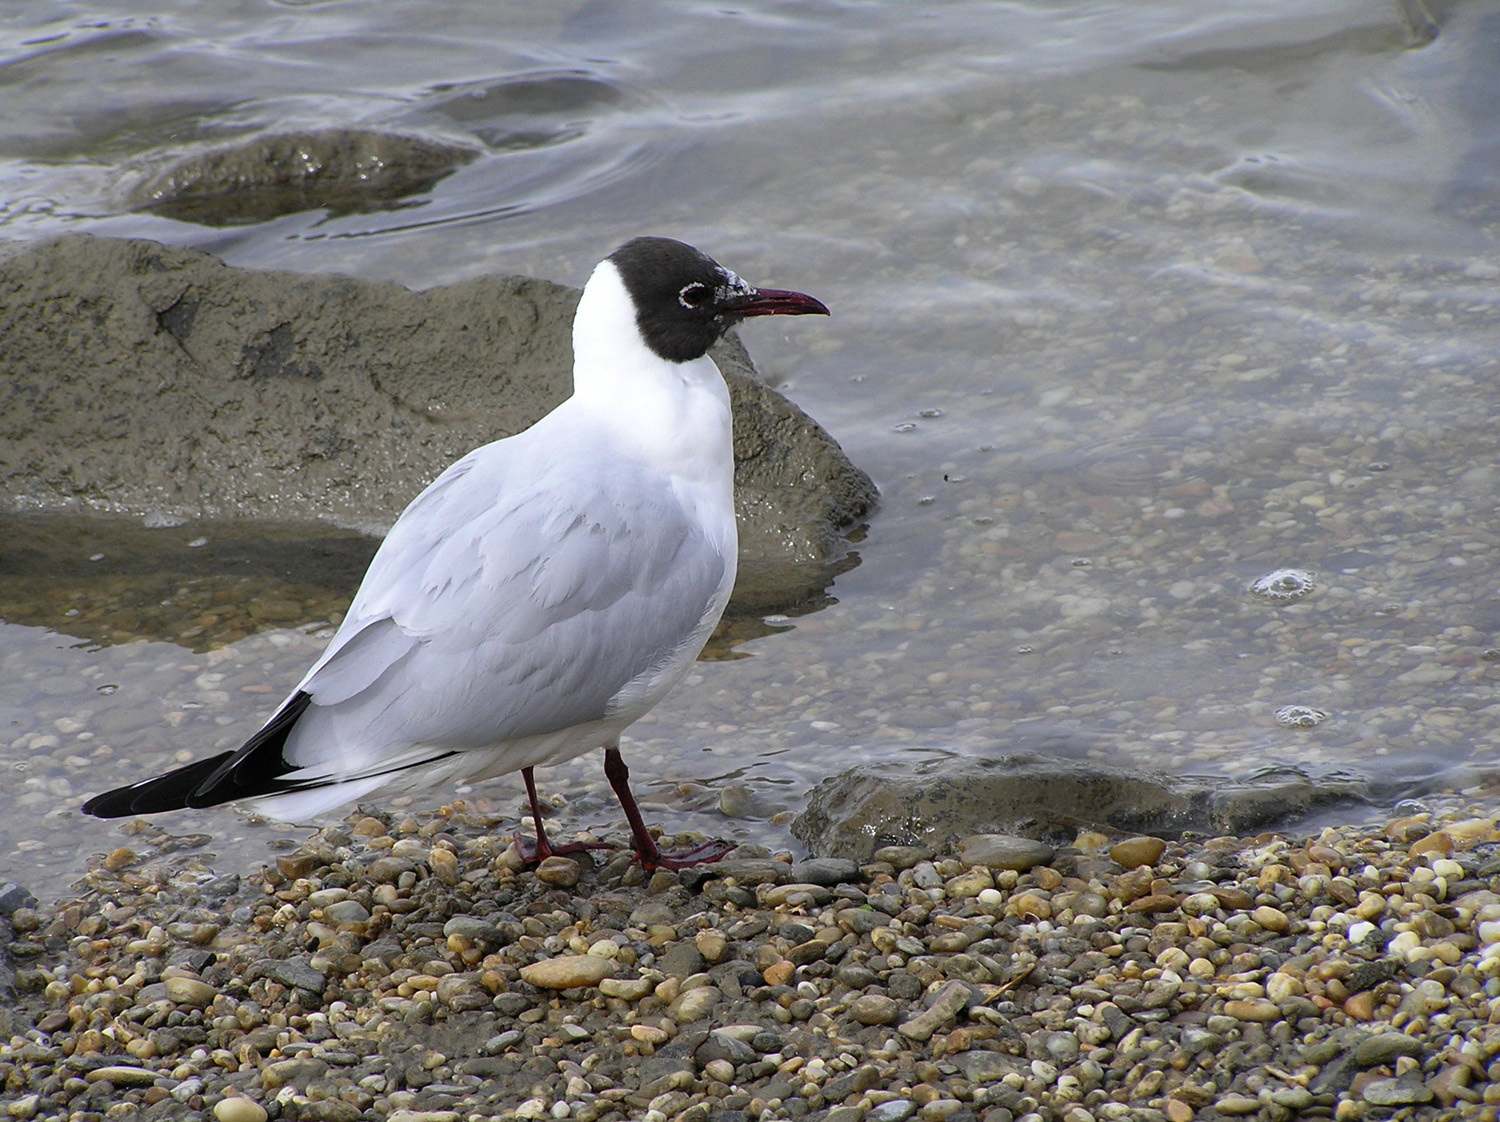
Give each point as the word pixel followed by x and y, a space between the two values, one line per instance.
pixel 1272 919
pixel 1471 831
pixel 1252 1010
pixel 1349 1109
pixel 1272 875
pixel 1371 906
pixel 1360 1006
pixel 444 865
pixel 650 1034
pixel 364 828
pixel 779 973
pixel 1200 904
pixel 1326 855
pixel 122 1076
pixel 1132 885
pixel 1003 851
pixel 875 1009
pixel 560 871
pixel 695 1004
pixel 1234 899
pixel 1407 829
pixel 722 1070
pixel 1133 852
pixel 1029 905
pixel 295 865
pixel 1234 1105
pixel 1179 1111
pixel 190 991
pixel 119 858
pixel 1281 986
pixel 1155 902
pixel 239 1109
pixel 969 885
pixel 1090 841
pixel 410 849
pixel 712 946
pixel 1439 844
pixel 510 858
pixel 567 972
pixel 627 989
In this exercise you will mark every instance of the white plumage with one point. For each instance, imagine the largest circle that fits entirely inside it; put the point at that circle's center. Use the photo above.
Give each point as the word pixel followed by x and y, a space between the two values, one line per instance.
pixel 541 594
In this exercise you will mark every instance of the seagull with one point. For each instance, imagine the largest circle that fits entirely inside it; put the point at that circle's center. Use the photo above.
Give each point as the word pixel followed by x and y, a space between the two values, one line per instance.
pixel 543 593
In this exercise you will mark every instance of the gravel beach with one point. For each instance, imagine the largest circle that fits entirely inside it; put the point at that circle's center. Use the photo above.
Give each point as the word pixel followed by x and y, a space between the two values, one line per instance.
pixel 411 969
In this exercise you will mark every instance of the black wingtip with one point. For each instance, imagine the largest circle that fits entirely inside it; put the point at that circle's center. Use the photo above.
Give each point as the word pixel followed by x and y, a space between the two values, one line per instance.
pixel 165 792
pixel 251 770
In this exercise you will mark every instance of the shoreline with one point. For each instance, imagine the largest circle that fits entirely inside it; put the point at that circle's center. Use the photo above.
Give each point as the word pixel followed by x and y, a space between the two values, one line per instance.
pixel 409 969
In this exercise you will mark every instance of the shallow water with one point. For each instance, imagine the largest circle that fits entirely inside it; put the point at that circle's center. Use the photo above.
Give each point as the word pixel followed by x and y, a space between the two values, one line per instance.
pixel 1134 305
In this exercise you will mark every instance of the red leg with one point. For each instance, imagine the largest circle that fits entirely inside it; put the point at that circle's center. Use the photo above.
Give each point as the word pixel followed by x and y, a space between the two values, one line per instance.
pixel 543 848
pixel 646 850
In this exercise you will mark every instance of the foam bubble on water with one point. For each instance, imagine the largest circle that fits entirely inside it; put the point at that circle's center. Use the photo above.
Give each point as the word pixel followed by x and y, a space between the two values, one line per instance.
pixel 1284 586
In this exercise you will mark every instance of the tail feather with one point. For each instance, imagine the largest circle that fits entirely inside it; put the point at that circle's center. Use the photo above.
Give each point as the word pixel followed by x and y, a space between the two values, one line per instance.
pixel 165 792
pixel 257 768
pixel 254 769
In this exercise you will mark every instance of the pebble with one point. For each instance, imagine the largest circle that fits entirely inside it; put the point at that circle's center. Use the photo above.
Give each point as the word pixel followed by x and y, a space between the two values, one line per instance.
pixel 122 1076
pixel 567 972
pixel 189 991
pixel 875 1009
pixel 1208 978
pixel 562 872
pixel 1133 852
pixel 1002 851
pixel 239 1109
pixel 1397 1092
pixel 1237 1105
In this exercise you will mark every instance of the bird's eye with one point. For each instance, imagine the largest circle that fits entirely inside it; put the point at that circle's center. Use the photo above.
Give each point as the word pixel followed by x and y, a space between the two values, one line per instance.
pixel 694 295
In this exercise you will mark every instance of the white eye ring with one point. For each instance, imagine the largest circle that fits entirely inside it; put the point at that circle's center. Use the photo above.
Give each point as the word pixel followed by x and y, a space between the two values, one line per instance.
pixel 692 296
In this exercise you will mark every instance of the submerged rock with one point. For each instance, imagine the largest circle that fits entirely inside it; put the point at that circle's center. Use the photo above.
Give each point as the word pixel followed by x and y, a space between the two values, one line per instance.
pixel 933 803
pixel 341 170
pixel 156 381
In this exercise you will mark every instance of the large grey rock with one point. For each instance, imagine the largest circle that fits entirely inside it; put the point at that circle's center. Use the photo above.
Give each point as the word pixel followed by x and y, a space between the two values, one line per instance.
pixel 935 802
pixel 156 381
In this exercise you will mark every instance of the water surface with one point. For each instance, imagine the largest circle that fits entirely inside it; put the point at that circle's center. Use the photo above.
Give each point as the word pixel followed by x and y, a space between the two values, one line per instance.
pixel 1134 304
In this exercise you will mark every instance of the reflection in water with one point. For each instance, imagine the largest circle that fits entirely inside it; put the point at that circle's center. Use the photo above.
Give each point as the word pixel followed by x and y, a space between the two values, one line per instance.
pixel 208 584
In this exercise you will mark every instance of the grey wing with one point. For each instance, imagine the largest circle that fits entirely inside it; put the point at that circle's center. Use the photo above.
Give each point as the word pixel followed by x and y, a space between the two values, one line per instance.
pixel 495 612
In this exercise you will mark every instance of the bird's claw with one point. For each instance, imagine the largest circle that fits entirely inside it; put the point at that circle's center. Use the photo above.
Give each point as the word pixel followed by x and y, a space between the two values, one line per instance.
pixel 705 854
pixel 534 853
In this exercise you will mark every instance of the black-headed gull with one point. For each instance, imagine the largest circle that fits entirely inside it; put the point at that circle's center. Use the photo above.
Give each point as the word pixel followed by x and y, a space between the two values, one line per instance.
pixel 541 594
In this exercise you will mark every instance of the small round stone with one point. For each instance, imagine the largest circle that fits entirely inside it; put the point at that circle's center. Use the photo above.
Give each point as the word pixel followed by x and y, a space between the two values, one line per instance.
pixel 239 1109
pixel 562 872
pixel 567 972
pixel 1133 852
pixel 1004 851
pixel 875 1009
pixel 190 991
pixel 1272 919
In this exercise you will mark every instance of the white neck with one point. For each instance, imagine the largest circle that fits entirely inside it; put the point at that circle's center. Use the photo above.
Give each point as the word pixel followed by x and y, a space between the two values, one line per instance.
pixel 671 415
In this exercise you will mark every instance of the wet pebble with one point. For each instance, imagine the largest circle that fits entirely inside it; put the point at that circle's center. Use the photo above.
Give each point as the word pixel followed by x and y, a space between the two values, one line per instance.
pixel 1003 851
pixel 1225 977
